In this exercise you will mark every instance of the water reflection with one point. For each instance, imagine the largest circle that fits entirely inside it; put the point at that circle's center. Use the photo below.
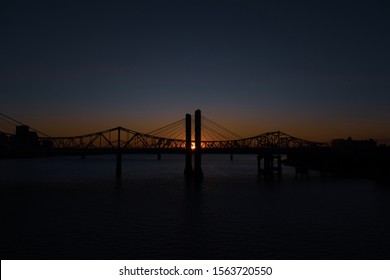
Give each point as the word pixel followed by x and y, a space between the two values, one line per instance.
pixel 74 208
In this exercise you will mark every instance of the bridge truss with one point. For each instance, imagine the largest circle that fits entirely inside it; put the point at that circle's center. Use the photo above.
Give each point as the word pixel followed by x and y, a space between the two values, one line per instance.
pixel 170 138
pixel 131 141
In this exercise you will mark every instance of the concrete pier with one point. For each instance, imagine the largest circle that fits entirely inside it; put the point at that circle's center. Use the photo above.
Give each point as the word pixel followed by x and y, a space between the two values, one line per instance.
pixel 188 168
pixel 119 164
pixel 119 155
pixel 198 173
pixel 259 169
pixel 269 168
pixel 278 167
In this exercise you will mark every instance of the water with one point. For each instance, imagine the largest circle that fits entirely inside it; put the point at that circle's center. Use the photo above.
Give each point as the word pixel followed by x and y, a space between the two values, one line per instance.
pixel 73 208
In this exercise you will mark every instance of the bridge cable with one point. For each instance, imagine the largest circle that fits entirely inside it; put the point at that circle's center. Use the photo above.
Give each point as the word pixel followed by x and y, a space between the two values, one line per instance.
pixel 170 130
pixel 14 122
pixel 165 127
pixel 232 135
pixel 218 130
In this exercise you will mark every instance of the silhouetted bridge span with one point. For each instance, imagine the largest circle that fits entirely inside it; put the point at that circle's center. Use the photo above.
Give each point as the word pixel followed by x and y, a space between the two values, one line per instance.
pixel 129 141
pixel 178 137
pixel 196 135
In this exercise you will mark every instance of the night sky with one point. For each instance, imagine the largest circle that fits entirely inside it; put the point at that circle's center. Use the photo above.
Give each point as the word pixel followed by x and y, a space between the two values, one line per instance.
pixel 317 70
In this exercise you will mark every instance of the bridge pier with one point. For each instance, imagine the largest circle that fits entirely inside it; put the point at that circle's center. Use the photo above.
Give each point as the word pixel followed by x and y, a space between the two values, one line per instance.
pixel 269 169
pixel 198 173
pixel 278 168
pixel 159 156
pixel 259 170
pixel 231 156
pixel 119 155
pixel 188 172
pixel 119 164
pixel 268 165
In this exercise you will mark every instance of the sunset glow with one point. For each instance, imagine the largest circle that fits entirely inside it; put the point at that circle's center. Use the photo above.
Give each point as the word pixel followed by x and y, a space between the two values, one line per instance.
pixel 299 73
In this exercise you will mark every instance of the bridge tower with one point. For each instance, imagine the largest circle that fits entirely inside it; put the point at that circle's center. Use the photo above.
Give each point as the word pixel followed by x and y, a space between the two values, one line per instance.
pixel 188 169
pixel 119 155
pixel 198 173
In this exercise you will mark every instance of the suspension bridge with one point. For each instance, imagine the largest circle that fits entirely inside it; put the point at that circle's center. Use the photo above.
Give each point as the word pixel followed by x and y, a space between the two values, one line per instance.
pixel 208 136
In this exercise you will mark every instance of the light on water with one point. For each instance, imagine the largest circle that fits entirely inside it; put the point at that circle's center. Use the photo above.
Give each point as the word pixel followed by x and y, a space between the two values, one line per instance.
pixel 70 207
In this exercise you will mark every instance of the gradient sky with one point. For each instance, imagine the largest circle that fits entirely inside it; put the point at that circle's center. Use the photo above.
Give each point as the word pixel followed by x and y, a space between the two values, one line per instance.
pixel 317 69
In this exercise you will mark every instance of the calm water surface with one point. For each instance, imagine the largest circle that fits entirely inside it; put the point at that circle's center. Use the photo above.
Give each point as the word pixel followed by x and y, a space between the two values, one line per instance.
pixel 73 208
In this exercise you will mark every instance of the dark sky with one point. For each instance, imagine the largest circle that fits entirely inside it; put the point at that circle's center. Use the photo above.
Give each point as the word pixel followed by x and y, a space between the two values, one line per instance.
pixel 317 69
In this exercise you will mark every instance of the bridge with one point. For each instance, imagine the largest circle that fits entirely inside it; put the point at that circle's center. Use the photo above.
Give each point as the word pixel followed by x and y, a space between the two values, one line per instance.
pixel 178 137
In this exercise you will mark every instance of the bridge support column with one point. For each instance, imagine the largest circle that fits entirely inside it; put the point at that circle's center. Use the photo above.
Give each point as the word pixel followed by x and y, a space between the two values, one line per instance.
pixel 119 156
pixel 268 165
pixel 118 164
pixel 231 156
pixel 188 172
pixel 158 155
pixel 278 168
pixel 259 170
pixel 198 173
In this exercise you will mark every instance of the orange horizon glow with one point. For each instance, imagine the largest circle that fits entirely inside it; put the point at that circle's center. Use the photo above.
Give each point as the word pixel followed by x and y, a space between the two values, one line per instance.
pixel 311 130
